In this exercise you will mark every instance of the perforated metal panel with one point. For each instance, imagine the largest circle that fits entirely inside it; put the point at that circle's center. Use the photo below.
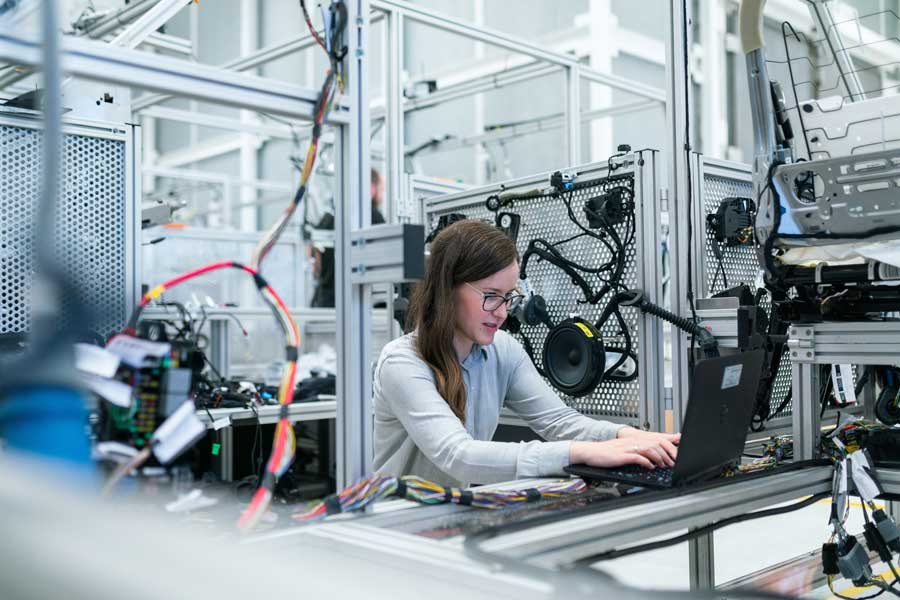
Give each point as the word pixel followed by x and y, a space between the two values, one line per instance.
pixel 546 218
pixel 740 264
pixel 92 239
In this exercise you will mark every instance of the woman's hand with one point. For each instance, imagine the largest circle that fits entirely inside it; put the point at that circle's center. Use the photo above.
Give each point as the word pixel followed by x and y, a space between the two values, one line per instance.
pixel 632 446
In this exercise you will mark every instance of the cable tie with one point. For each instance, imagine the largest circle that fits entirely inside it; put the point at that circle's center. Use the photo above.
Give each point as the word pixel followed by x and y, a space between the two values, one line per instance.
pixel 401 488
pixel 448 495
pixel 292 353
pixel 466 497
pixel 283 413
pixel 259 281
pixel 333 505
pixel 533 495
pixel 269 481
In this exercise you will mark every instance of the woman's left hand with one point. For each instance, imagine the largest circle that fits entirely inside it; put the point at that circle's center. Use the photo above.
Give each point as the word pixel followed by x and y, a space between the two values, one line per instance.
pixel 668 441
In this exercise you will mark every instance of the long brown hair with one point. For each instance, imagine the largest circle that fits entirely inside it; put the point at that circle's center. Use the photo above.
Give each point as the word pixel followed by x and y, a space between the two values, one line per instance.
pixel 466 251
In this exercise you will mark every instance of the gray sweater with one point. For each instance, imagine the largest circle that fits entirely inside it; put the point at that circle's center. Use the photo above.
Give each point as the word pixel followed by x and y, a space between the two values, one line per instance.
pixel 416 433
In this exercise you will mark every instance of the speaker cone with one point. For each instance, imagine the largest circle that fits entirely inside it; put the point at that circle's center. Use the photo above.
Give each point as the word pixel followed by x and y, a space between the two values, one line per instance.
pixel 574 358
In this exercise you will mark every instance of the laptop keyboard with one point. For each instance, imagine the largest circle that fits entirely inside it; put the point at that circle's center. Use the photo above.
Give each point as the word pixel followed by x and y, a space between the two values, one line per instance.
pixel 659 475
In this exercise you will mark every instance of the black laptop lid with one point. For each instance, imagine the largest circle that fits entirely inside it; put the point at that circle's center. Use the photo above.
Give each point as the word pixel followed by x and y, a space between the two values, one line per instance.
pixel 723 393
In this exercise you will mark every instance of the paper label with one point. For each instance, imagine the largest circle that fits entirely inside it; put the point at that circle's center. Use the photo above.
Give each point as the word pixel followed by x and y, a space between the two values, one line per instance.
pixel 95 360
pixel 863 477
pixel 114 392
pixel 731 378
pixel 135 352
pixel 177 433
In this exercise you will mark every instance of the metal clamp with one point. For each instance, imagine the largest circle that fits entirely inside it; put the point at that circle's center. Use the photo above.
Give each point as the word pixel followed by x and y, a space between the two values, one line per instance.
pixel 802 343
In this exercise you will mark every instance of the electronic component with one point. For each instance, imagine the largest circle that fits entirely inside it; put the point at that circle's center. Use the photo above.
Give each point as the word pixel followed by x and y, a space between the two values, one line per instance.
pixel 887 407
pixel 562 181
pixel 732 223
pixel 508 223
pixel 608 208
pixel 853 561
pixel 444 222
pixel 574 357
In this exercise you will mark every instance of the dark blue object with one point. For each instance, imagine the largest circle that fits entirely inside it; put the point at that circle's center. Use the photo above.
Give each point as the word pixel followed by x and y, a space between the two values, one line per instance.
pixel 49 421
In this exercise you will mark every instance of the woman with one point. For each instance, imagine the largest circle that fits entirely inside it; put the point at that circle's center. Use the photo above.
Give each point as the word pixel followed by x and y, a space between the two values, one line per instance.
pixel 439 389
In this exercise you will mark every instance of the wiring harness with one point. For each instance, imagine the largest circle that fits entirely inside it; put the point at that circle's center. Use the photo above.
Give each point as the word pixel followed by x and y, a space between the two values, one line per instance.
pixel 367 491
pixel 606 214
pixel 284 444
pixel 842 554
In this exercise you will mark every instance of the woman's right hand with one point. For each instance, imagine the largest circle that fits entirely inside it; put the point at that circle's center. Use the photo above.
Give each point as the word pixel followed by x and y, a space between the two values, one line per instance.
pixel 623 451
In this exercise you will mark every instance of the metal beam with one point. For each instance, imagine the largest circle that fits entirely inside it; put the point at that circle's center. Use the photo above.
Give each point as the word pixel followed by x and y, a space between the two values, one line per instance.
pixel 482 84
pixel 171 43
pixel 569 539
pixel 250 61
pixel 114 20
pixel 547 123
pixel 572 115
pixel 681 188
pixel 135 33
pixel 512 43
pixel 353 302
pixel 206 176
pixel 99 62
pixel 218 122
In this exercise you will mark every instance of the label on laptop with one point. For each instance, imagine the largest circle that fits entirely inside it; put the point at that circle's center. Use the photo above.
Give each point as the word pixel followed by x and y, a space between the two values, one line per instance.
pixel 732 376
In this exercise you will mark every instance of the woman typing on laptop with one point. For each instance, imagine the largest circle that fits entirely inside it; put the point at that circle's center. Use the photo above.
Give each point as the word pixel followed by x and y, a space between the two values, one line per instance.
pixel 440 388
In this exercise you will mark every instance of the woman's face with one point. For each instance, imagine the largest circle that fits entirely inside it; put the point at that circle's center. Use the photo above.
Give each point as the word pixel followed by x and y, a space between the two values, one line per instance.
pixel 473 323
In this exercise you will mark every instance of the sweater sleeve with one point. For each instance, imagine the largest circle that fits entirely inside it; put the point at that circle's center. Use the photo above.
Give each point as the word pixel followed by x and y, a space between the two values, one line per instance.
pixel 407 385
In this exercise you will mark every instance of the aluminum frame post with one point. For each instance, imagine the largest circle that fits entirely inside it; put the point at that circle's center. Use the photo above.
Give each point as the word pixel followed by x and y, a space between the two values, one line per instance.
pixel 573 114
pixel 219 346
pixel 805 417
pixel 353 302
pixel 680 186
pixel 651 374
pixel 396 137
pixel 701 561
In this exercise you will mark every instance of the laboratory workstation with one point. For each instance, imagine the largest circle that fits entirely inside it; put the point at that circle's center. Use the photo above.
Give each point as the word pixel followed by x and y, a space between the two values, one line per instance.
pixel 449 299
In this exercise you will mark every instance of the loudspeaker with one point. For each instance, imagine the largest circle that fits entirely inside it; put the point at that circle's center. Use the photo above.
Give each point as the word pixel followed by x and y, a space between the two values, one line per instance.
pixel 574 357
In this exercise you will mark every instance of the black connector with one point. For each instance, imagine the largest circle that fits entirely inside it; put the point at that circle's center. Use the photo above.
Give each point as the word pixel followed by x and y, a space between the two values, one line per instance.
pixel 609 208
pixel 830 559
pixel 562 182
pixel 509 224
pixel 731 224
pixel 876 543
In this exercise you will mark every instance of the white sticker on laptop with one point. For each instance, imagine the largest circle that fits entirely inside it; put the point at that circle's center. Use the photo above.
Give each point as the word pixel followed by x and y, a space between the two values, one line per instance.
pixel 732 376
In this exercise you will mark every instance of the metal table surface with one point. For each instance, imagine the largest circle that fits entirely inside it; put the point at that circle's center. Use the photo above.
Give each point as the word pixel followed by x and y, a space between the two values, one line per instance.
pixel 543 540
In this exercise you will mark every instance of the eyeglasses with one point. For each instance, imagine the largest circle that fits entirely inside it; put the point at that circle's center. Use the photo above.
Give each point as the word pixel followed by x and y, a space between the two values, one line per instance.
pixel 492 301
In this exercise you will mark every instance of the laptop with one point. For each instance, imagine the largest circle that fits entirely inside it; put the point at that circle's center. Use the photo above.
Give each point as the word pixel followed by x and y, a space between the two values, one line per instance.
pixel 723 393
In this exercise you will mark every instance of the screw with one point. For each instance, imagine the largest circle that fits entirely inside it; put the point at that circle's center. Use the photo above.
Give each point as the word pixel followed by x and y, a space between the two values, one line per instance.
pixel 809 355
pixel 359 20
pixel 809 332
pixel 794 354
pixel 359 52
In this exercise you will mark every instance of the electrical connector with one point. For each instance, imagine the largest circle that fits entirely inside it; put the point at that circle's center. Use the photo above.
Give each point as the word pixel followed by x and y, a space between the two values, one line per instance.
pixel 888 529
pixel 876 543
pixel 853 562
pixel 562 181
pixel 830 559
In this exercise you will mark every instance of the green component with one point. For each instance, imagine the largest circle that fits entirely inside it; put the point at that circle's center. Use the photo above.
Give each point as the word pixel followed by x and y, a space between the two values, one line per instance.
pixel 216 448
